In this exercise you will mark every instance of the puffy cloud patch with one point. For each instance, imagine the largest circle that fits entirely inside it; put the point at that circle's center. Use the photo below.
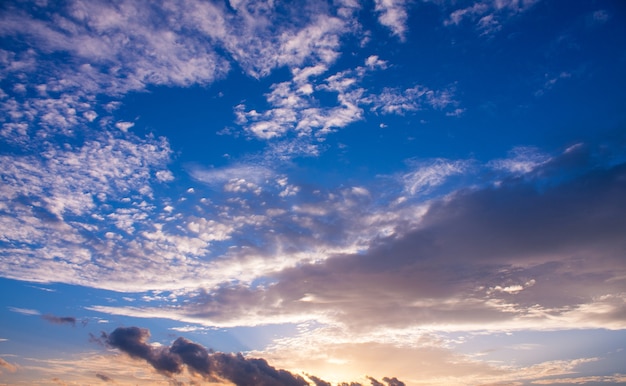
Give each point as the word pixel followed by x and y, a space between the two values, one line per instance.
pixel 393 15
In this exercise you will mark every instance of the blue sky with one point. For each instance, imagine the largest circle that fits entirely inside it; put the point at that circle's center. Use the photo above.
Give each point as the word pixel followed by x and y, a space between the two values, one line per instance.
pixel 385 192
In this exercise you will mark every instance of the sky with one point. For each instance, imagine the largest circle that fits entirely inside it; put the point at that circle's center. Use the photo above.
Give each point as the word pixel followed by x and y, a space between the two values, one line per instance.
pixel 323 192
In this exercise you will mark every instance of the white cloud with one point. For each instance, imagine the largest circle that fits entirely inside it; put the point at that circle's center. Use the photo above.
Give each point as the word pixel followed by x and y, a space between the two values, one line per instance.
pixel 132 45
pixel 124 126
pixel 455 113
pixel 393 15
pixel 295 108
pixel 489 15
pixel 164 175
pixel 521 160
pixel 256 174
pixel 428 175
pixel 374 61
pixel 396 101
pixel 24 311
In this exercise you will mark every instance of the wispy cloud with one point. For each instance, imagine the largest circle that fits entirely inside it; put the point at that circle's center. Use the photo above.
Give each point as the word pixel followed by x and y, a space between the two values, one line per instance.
pixel 487 16
pixel 24 311
pixel 551 81
pixel 395 101
pixel 59 319
pixel 7 366
pixel 521 160
pixel 427 175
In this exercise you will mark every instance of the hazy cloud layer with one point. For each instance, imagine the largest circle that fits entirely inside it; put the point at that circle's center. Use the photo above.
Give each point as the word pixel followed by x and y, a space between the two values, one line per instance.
pixel 4 365
pixel 514 256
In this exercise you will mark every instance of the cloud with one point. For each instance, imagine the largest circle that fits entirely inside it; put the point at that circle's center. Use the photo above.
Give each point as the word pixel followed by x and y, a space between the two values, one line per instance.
pixel 582 380
pixel 59 319
pixel 489 15
pixel 295 110
pixel 93 367
pixel 521 160
pixel 507 257
pixel 124 126
pixel 294 106
pixel 105 378
pixel 133 341
pixel 130 46
pixel 429 174
pixel 396 101
pixel 24 311
pixel 7 366
pixel 256 174
pixel 211 365
pixel 153 53
pixel 66 213
pixel 393 15
pixel 599 17
pixel 551 81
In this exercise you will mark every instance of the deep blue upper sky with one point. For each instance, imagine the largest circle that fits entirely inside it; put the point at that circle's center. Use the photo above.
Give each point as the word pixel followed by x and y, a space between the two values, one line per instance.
pixel 427 190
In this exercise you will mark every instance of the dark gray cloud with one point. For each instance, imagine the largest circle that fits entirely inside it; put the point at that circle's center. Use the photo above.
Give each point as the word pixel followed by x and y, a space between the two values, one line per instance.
pixel 105 378
pixel 213 366
pixel 390 381
pixel 480 256
pixel 195 356
pixel 393 381
pixel 133 341
pixel 60 319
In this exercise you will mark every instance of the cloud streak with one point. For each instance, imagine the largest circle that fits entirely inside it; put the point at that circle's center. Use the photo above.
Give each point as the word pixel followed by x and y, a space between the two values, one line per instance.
pixel 59 319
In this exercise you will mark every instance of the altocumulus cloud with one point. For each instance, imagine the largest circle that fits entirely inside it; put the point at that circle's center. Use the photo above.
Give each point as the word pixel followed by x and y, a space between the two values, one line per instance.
pixel 213 366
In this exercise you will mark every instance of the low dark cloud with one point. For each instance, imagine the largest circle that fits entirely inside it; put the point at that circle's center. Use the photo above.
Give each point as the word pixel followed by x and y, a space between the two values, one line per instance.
pixel 211 365
pixel 390 382
pixel 133 341
pixel 105 378
pixel 60 319
pixel 373 381
pixel 393 381
pixel 317 381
